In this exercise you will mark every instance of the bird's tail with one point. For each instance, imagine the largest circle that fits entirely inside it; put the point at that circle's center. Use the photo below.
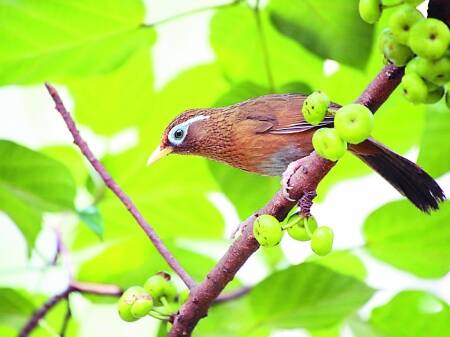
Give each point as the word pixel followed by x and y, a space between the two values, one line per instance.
pixel 408 178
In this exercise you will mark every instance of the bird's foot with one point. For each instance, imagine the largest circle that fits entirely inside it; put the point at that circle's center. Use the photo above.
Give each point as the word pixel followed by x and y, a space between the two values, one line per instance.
pixel 290 170
pixel 305 203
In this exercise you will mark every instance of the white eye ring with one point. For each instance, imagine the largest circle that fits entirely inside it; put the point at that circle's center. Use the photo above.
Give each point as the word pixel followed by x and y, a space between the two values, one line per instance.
pixel 179 132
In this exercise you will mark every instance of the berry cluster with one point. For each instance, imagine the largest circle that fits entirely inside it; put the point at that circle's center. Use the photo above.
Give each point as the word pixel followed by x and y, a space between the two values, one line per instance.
pixel 353 124
pixel 268 231
pixel 158 298
pixel 420 44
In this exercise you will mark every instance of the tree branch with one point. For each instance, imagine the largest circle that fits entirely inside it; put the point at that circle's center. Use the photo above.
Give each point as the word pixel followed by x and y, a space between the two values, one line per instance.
pixel 87 288
pixel 313 168
pixel 114 187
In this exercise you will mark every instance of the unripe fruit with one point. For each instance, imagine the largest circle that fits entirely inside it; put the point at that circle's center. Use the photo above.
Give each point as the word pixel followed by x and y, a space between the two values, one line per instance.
pixel 126 301
pixel 142 306
pixel 391 3
pixel 401 22
pixel 414 88
pixel 267 230
pixel 315 107
pixel 296 227
pixel 322 240
pixel 328 144
pixel 429 38
pixel 353 123
pixel 159 286
pixel 414 2
pixel 435 96
pixel 395 52
pixel 370 10
pixel 436 71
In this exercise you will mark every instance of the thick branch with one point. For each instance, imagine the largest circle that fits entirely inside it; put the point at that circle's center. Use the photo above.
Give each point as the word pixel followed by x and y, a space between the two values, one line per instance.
pixel 114 187
pixel 306 179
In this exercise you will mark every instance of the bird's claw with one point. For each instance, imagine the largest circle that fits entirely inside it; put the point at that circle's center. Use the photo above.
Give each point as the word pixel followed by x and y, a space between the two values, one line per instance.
pixel 287 174
pixel 305 203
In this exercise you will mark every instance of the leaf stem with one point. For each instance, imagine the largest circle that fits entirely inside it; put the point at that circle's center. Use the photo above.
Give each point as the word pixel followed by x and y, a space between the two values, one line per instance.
pixel 264 47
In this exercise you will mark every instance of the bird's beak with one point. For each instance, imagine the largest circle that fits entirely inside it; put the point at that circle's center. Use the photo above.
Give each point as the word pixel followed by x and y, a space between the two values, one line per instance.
pixel 158 154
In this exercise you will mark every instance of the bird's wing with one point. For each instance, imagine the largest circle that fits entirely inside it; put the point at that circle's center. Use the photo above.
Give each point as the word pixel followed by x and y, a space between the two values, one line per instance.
pixel 300 126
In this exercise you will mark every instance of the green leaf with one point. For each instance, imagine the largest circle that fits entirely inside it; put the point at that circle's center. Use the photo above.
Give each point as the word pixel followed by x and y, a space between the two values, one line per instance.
pixel 231 319
pixel 31 183
pixel 435 139
pixel 93 219
pixel 413 314
pixel 110 103
pixel 132 260
pixel 343 262
pixel 401 235
pixel 15 308
pixel 70 38
pixel 331 29
pixel 362 328
pixel 304 296
pixel 236 41
pixel 307 296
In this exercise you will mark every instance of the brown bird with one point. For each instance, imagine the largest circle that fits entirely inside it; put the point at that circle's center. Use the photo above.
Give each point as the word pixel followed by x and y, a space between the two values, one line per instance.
pixel 265 134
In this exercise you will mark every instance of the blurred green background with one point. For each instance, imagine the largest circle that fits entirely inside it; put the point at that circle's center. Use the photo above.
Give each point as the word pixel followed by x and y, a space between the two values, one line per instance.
pixel 125 69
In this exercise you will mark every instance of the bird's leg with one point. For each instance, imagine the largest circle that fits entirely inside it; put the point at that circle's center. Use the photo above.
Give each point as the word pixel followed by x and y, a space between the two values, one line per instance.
pixel 305 203
pixel 287 174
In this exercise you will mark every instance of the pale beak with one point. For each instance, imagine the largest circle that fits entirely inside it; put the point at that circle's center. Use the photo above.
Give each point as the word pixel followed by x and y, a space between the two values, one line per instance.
pixel 158 154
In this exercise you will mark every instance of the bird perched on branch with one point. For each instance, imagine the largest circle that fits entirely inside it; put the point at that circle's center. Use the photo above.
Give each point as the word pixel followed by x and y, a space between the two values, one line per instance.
pixel 265 134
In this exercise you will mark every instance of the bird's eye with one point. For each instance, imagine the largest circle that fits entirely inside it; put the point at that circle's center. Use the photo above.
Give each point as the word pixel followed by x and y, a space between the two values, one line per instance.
pixel 178 134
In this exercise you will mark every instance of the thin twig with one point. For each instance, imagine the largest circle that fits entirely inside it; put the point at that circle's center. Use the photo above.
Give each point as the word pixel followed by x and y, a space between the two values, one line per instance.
pixel 42 311
pixel 191 12
pixel 312 169
pixel 233 295
pixel 66 321
pixel 114 187
pixel 86 288
pixel 264 47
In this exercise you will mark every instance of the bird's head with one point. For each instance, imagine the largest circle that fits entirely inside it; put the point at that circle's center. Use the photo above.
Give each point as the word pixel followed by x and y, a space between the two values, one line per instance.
pixel 186 134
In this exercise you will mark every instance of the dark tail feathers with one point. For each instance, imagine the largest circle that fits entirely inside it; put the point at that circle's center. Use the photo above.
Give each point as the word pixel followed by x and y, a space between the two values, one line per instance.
pixel 408 178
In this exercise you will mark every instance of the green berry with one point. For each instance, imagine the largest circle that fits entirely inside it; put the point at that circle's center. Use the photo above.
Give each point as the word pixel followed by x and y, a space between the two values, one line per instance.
pixel 126 301
pixel 435 71
pixel 395 52
pixel 142 306
pixel 267 230
pixel 322 240
pixel 370 10
pixel 328 144
pixel 159 286
pixel 391 3
pixel 435 96
pixel 401 22
pixel 315 107
pixel 414 2
pixel 429 38
pixel 414 88
pixel 296 227
pixel 354 123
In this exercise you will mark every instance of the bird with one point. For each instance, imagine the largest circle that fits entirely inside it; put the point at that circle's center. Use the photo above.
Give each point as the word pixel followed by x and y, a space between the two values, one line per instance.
pixel 263 135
